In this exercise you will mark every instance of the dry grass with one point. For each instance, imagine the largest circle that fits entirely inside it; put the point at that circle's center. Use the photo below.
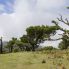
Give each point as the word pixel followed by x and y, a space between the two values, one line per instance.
pixel 33 60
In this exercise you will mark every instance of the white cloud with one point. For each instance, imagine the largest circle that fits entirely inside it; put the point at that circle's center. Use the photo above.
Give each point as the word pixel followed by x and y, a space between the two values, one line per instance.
pixel 51 43
pixel 41 13
pixel 48 4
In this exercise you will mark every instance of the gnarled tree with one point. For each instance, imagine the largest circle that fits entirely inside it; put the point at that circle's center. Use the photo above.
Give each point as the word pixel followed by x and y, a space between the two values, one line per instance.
pixel 38 34
pixel 65 36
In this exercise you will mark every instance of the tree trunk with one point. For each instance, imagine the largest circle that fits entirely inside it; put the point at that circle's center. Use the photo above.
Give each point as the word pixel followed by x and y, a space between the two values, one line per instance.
pixel 11 49
pixel 33 48
pixel 1 46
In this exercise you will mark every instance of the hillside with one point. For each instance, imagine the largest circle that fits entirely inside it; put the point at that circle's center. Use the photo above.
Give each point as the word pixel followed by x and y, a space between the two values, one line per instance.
pixel 35 60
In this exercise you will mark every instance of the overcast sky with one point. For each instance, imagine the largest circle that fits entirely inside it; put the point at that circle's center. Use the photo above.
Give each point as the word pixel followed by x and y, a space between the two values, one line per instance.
pixel 17 15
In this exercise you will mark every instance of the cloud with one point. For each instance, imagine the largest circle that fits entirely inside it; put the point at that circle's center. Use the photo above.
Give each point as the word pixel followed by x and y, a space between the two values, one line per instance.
pixel 27 13
pixel 42 10
pixel 48 4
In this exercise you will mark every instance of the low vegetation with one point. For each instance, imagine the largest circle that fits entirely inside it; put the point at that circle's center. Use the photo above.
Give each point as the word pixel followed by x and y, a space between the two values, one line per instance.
pixel 56 59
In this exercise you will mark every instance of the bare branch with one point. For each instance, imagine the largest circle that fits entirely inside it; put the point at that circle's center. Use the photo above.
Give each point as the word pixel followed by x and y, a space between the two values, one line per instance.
pixel 52 39
pixel 55 39
pixel 66 21
pixel 56 23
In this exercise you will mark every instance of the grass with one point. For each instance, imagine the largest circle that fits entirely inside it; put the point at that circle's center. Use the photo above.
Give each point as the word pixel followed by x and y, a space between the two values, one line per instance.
pixel 33 60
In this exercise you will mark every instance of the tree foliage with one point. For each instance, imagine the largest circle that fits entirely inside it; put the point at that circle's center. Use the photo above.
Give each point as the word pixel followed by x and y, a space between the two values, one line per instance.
pixel 38 34
pixel 11 44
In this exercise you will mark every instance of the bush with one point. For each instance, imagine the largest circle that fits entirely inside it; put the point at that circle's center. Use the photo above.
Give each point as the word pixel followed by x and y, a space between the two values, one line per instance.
pixel 62 45
pixel 47 48
pixel 15 50
pixel 43 61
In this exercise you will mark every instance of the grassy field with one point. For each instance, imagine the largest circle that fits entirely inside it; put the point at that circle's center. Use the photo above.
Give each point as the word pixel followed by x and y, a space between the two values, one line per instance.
pixel 34 60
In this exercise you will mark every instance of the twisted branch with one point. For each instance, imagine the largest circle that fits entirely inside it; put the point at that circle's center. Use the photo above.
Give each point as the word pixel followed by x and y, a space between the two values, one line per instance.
pixel 66 21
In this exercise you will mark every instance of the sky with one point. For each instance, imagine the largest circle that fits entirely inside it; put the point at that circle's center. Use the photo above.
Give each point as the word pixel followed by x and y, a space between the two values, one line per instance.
pixel 17 15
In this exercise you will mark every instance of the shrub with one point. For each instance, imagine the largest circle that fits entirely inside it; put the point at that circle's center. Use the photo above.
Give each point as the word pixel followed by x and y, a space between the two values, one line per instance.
pixel 47 48
pixel 15 50
pixel 43 61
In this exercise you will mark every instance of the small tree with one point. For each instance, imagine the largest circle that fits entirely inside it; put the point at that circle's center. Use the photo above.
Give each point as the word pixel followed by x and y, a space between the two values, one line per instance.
pixel 26 45
pixel 11 43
